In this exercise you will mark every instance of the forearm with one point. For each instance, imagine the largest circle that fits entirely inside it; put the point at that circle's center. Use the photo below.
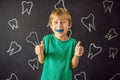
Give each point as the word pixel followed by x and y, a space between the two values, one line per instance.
pixel 74 61
pixel 41 58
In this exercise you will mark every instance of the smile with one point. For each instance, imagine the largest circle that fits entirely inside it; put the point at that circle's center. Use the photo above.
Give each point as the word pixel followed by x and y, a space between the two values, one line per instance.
pixel 59 30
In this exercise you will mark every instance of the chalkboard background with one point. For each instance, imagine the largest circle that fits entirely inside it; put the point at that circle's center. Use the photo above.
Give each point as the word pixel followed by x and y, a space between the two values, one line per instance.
pixel 96 23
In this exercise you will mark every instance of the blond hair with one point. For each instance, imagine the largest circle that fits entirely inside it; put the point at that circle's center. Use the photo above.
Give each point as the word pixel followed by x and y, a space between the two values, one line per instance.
pixel 61 13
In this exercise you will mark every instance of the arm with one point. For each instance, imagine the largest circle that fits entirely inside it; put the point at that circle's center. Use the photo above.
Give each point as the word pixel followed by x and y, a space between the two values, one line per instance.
pixel 41 58
pixel 75 61
pixel 39 50
pixel 78 52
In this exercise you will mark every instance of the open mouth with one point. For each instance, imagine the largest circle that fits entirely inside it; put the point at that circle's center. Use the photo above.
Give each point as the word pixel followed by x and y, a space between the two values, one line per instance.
pixel 59 30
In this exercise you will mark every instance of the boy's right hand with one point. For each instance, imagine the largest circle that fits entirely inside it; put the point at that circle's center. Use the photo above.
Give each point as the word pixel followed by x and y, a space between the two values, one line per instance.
pixel 39 49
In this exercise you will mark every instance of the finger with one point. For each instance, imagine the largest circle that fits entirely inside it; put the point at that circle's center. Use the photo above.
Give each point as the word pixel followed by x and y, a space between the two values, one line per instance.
pixel 82 50
pixel 78 44
pixel 42 44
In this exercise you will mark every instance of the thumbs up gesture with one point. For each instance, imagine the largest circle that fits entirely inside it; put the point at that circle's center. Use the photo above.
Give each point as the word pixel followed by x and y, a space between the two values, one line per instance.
pixel 79 50
pixel 39 49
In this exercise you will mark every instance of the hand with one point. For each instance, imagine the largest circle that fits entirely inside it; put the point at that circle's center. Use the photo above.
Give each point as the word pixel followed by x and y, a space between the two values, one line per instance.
pixel 39 49
pixel 79 50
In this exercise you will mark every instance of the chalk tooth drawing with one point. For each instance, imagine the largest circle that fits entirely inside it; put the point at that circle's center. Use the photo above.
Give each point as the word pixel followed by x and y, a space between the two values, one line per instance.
pixel 81 75
pixel 94 51
pixel 33 63
pixel 108 5
pixel 111 34
pixel 70 33
pixel 115 77
pixel 113 52
pixel 13 77
pixel 13 23
pixel 33 38
pixel 58 4
pixel 88 22
pixel 14 48
pixel 27 7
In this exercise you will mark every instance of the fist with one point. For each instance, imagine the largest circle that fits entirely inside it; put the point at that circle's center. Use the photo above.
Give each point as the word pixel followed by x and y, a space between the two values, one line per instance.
pixel 79 50
pixel 39 49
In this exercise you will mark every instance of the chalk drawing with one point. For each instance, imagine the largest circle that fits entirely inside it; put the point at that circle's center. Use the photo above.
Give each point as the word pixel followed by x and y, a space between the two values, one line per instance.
pixel 94 50
pixel 27 7
pixel 115 77
pixel 88 22
pixel 111 34
pixel 81 75
pixel 108 5
pixel 13 23
pixel 113 52
pixel 33 38
pixel 58 3
pixel 70 33
pixel 14 48
pixel 33 63
pixel 13 77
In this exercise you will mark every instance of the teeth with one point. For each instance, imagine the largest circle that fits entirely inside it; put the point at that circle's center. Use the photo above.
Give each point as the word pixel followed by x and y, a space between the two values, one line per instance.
pixel 26 7
pixel 59 30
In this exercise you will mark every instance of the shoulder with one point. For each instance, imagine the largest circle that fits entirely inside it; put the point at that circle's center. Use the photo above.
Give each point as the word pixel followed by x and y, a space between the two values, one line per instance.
pixel 73 39
pixel 48 36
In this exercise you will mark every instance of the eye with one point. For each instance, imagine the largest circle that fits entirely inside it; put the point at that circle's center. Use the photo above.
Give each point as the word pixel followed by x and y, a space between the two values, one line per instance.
pixel 55 22
pixel 63 22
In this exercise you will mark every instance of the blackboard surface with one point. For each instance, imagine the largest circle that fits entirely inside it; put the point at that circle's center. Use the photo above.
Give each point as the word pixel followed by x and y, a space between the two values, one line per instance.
pixel 96 23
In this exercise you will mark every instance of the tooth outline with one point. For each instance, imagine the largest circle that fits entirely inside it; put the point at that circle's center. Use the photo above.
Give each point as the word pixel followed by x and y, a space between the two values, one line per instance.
pixel 112 55
pixel 107 8
pixel 55 6
pixel 13 26
pixel 11 50
pixel 85 78
pixel 11 75
pixel 109 36
pixel 27 38
pixel 33 66
pixel 90 26
pixel 91 55
pixel 27 10
pixel 112 78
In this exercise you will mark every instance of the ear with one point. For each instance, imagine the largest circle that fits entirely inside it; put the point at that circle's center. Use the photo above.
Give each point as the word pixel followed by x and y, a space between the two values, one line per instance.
pixel 70 24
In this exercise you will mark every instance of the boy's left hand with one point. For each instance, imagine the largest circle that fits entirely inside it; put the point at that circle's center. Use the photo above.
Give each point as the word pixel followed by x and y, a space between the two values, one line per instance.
pixel 79 50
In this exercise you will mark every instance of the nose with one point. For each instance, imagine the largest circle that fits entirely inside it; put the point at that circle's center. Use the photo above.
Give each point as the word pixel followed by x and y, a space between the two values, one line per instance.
pixel 60 24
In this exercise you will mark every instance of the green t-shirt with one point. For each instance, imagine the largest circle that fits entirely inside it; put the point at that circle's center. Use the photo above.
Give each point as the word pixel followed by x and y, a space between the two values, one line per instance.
pixel 58 55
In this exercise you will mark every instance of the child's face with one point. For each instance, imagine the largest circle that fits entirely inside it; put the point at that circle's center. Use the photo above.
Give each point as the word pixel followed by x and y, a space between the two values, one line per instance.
pixel 60 26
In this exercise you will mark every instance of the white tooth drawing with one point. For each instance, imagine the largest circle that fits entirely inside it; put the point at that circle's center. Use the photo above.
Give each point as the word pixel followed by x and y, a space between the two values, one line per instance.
pixel 13 77
pixel 33 38
pixel 107 5
pixel 55 6
pixel 70 33
pixel 48 24
pixel 79 74
pixel 14 48
pixel 27 7
pixel 92 49
pixel 13 23
pixel 58 3
pixel 114 77
pixel 111 34
pixel 88 22
pixel 113 52
pixel 33 63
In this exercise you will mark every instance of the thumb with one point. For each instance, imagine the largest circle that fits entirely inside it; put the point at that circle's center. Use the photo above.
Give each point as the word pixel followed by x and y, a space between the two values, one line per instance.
pixel 41 44
pixel 78 44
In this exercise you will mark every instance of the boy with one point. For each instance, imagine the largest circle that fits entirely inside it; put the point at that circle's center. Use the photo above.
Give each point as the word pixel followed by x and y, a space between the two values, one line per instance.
pixel 57 51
